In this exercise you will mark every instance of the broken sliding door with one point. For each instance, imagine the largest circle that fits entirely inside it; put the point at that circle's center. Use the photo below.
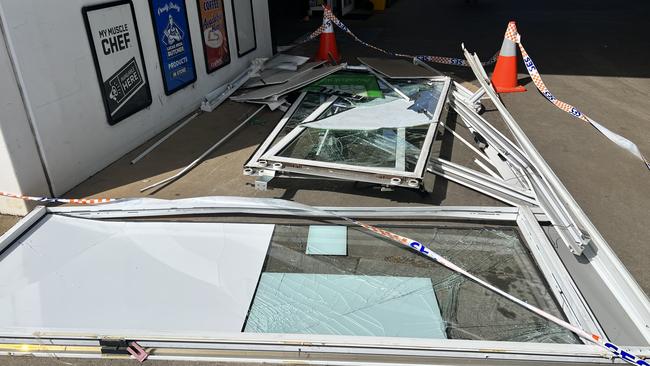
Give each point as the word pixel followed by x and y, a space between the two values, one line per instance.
pixel 350 130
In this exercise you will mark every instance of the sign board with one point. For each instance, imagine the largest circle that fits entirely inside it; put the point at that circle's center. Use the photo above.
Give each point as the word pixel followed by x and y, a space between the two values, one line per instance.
pixel 115 45
pixel 172 34
pixel 242 11
pixel 215 35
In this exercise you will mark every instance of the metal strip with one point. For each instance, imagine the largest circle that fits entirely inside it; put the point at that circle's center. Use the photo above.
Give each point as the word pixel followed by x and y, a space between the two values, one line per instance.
pixel 286 140
pixel 21 227
pixel 480 183
pixel 253 160
pixel 566 292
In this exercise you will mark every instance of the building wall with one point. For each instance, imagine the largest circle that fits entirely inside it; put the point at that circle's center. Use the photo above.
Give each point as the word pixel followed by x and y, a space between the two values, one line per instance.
pixel 19 162
pixel 54 63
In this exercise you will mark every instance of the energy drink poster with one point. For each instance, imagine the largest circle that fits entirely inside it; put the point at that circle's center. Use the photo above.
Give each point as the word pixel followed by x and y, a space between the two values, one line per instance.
pixel 115 44
pixel 174 43
pixel 215 36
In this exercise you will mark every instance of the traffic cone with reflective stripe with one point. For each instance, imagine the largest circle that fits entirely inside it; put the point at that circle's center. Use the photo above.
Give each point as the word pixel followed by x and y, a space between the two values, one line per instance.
pixel 328 50
pixel 504 77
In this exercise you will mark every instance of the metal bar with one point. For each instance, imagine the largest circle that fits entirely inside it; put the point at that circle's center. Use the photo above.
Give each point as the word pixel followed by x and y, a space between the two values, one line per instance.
pixel 419 62
pixel 564 288
pixel 479 182
pixel 467 143
pixel 508 172
pixel 276 131
pixel 477 96
pixel 395 89
pixel 335 350
pixel 296 131
pixel 348 167
pixel 421 165
pixel 213 99
pixel 146 207
pixel 400 149
pixel 483 177
pixel 322 142
pixel 198 160
pixel 488 170
pixel 155 144
pixel 21 227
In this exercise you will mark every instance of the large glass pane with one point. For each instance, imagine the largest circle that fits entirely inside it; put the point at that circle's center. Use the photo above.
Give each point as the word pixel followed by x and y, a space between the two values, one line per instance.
pixel 379 288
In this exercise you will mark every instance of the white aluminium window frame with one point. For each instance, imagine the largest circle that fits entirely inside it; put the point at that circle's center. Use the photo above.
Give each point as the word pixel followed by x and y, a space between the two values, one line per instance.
pixel 282 345
pixel 266 156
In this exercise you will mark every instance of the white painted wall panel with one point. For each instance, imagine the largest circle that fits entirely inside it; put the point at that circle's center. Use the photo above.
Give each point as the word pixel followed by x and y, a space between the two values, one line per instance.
pixel 19 162
pixel 62 94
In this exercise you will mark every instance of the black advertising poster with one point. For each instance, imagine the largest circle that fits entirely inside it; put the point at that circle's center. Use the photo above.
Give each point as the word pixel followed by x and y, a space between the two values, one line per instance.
pixel 115 44
pixel 172 34
pixel 215 36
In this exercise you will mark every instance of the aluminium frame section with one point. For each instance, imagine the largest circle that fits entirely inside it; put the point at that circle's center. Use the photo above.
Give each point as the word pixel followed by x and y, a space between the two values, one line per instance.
pixel 508 172
pixel 231 204
pixel 286 347
pixel 571 234
pixel 319 350
pixel 608 266
pixel 557 276
pixel 253 161
pixel 386 176
pixel 481 183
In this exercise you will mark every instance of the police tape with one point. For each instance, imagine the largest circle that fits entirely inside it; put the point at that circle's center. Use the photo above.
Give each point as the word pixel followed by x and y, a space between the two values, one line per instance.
pixel 330 18
pixel 513 35
pixel 80 201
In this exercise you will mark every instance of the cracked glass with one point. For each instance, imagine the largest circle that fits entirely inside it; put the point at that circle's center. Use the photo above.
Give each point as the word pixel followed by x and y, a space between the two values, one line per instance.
pixel 391 148
pixel 379 288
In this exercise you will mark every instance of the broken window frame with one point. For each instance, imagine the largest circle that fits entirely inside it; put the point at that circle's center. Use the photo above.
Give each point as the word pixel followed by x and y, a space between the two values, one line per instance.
pixel 265 160
pixel 527 220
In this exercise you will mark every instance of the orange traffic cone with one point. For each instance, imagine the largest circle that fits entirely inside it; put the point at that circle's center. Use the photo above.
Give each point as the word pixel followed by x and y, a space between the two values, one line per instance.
pixel 328 50
pixel 504 77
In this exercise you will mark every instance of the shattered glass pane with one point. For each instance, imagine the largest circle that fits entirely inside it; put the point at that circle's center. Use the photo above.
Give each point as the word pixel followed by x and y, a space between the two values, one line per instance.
pixel 467 310
pixel 306 107
pixel 393 148
pixel 368 148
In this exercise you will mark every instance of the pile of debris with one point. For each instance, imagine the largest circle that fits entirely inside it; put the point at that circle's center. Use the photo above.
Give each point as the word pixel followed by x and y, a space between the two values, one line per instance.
pixel 370 123
pixel 376 123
